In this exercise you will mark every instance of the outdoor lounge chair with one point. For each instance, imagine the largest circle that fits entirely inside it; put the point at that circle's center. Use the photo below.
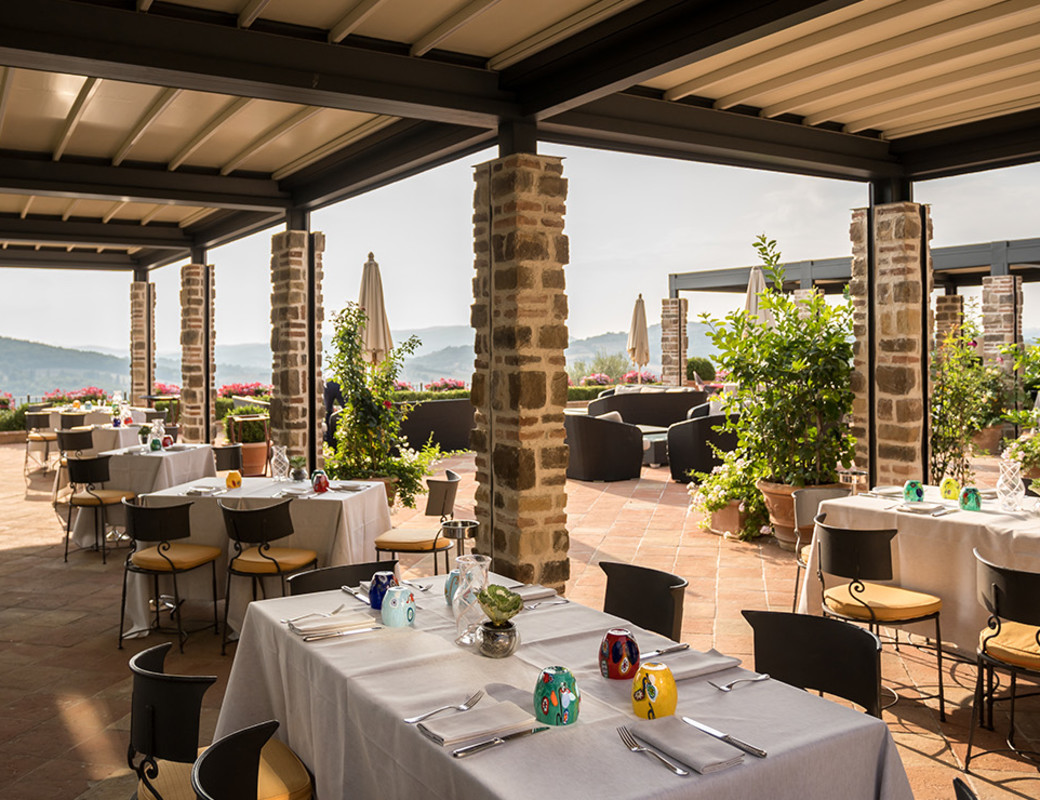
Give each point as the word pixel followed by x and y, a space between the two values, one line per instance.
pixel 602 449
pixel 690 445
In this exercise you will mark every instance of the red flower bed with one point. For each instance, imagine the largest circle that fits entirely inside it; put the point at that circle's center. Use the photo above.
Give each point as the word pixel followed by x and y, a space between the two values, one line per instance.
pixel 255 389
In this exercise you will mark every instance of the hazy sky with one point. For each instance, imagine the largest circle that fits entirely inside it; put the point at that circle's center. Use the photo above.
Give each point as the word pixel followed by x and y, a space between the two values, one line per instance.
pixel 631 220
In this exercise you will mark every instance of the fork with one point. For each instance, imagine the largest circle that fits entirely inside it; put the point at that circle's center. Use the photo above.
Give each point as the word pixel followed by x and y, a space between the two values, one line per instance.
pixel 316 614
pixel 422 587
pixel 558 602
pixel 631 743
pixel 466 706
pixel 728 687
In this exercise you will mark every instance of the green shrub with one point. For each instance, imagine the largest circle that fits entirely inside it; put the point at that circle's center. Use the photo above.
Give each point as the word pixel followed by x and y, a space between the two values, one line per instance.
pixel 252 430
pixel 585 392
pixel 223 406
pixel 13 420
pixel 414 397
pixel 702 366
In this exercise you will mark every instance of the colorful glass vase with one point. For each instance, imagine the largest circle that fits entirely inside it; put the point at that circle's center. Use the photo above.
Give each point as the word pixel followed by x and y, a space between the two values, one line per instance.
pixel 950 488
pixel 320 481
pixel 450 585
pixel 167 441
pixel 618 654
pixel 556 697
pixel 654 693
pixel 398 609
pixel 155 445
pixel 971 499
pixel 233 479
pixel 381 581
pixel 473 579
pixel 913 492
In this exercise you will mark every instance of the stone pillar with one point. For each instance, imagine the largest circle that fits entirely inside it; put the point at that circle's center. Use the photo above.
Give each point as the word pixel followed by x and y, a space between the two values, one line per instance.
pixel 198 365
pixel 293 312
pixel 949 316
pixel 674 340
pixel 1001 316
pixel 890 286
pixel 142 341
pixel 519 385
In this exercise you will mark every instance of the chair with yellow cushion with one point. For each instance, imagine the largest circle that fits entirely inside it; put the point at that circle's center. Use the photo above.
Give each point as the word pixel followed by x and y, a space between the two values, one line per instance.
pixel 77 443
pixel 251 531
pixel 86 476
pixel 439 503
pixel 155 532
pixel 164 737
pixel 862 556
pixel 1010 642
pixel 806 505
pixel 38 435
pixel 233 768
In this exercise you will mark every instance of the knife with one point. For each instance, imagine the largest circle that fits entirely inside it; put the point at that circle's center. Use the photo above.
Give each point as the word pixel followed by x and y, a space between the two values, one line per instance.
pixel 357 594
pixel 673 648
pixel 469 750
pixel 747 748
pixel 317 637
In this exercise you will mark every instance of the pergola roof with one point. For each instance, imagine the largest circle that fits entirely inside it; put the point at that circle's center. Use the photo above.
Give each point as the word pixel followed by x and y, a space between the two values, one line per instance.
pixel 133 132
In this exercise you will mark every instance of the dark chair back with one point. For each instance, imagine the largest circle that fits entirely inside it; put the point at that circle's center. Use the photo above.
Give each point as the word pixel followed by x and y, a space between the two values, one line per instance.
pixel 157 523
pixel 71 419
pixel 819 653
pixel 228 457
pixel 88 471
pixel 258 525
pixel 807 505
pixel 694 445
pixel 961 791
pixel 648 597
pixel 75 441
pixel 230 767
pixel 329 578
pixel 37 422
pixel 1008 594
pixel 440 502
pixel 859 555
pixel 165 709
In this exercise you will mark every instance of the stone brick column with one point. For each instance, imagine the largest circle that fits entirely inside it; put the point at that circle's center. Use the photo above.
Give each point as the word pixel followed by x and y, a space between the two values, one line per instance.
pixel 197 325
pixel 290 322
pixel 674 340
pixel 890 287
pixel 1001 315
pixel 519 385
pixel 142 341
pixel 949 316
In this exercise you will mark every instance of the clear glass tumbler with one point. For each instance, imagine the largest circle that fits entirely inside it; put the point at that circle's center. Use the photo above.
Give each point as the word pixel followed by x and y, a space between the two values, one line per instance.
pixel 473 578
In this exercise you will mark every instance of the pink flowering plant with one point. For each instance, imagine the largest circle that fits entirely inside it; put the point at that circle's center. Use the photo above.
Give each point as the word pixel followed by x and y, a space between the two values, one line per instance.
pixel 597 379
pixel 170 389
pixel 445 385
pixel 255 389
pixel 402 386
pixel 88 393
pixel 638 377
pixel 6 400
pixel 734 479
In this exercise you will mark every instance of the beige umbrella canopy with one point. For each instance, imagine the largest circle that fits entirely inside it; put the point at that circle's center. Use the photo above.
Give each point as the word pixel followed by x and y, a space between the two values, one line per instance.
pixel 638 339
pixel 752 302
pixel 375 340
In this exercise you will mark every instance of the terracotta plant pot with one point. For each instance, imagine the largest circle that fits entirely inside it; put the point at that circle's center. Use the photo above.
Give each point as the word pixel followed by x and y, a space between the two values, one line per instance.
pixel 254 459
pixel 780 505
pixel 727 520
pixel 988 440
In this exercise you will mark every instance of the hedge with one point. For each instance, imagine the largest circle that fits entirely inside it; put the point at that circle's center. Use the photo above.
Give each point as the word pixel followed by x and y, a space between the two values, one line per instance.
pixel 573 393
pixel 13 420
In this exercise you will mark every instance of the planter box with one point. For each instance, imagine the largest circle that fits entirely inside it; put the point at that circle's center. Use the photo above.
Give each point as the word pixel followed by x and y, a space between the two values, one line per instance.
pixel 729 520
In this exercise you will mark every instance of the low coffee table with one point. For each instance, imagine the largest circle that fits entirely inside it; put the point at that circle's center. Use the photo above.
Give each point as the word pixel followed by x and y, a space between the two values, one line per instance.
pixel 655 448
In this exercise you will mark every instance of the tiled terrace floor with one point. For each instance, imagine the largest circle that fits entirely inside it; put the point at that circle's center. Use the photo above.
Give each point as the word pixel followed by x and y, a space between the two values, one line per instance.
pixel 65 688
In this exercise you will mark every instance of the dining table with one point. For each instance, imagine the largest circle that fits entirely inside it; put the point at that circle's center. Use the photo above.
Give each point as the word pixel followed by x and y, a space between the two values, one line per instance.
pixel 932 552
pixel 340 525
pixel 342 702
pixel 97 415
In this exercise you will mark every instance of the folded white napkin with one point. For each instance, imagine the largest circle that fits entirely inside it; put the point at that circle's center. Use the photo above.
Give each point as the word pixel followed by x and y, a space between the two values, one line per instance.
pixel 484 722
pixel 534 591
pixel 692 747
pixel 694 664
pixel 337 622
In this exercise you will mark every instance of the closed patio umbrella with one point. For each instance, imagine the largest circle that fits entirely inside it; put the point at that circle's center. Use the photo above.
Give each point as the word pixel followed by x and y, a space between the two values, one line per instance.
pixel 638 339
pixel 752 302
pixel 376 339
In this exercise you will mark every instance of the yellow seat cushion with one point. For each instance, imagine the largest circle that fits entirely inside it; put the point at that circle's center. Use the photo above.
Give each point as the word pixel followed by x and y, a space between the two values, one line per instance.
pixel 403 540
pixel 44 436
pixel 101 497
pixel 282 777
pixel 289 558
pixel 1015 644
pixel 890 603
pixel 183 556
pixel 803 554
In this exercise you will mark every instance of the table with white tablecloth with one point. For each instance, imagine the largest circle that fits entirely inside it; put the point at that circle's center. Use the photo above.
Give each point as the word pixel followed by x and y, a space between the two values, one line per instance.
pixel 340 526
pixel 934 554
pixel 340 703
pixel 98 415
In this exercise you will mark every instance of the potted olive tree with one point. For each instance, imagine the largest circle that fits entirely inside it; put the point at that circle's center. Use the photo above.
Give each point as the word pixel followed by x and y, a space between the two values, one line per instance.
pixel 250 428
pixel 793 399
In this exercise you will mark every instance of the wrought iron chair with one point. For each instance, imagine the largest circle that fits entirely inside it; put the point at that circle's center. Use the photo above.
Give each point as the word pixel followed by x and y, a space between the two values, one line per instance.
pixel 806 505
pixel 230 767
pixel 72 419
pixel 819 653
pixel 38 432
pixel 75 442
pixel 251 531
pixel 89 474
pixel 329 578
pixel 158 528
pixel 647 597
pixel 440 502
pixel 862 556
pixel 1010 641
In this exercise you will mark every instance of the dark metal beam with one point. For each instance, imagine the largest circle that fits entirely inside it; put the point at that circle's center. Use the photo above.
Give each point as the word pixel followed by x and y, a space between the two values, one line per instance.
pixel 891 190
pixel 34 230
pixel 105 42
pixel 637 124
pixel 62 259
pixel 517 136
pixel 224 227
pixel 642 42
pixel 31 173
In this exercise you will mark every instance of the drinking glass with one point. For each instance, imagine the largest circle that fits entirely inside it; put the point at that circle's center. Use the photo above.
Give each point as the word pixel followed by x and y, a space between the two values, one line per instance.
pixel 473 579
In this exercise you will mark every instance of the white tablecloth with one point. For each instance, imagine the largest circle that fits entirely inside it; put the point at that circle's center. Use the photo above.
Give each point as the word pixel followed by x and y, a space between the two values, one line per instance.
pixel 934 554
pixel 340 527
pixel 340 703
pixel 96 416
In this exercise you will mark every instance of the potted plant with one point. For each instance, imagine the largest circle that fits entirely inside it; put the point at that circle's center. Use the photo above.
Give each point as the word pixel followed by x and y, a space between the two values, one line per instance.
pixel 498 636
pixel 299 467
pixel 369 442
pixel 729 497
pixel 250 428
pixel 793 396
pixel 1026 448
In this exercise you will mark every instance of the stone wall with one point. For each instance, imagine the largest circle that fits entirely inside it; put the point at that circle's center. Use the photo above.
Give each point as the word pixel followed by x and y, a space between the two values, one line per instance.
pixel 1001 316
pixel 519 388
pixel 290 424
pixel 674 340
pixel 142 341
pixel 949 316
pixel 196 317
